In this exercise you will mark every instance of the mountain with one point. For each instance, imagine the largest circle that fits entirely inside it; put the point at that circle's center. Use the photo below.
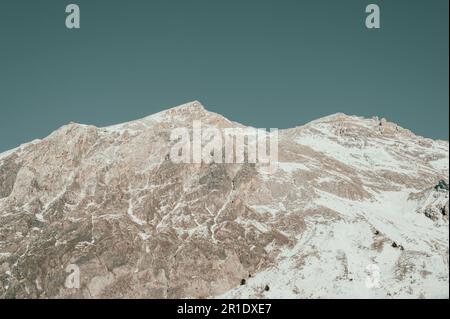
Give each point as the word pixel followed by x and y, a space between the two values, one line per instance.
pixel 357 208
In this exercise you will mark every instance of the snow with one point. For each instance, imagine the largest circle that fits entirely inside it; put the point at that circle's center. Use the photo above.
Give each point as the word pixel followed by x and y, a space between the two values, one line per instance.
pixel 392 214
pixel 340 270
pixel 440 164
pixel 337 259
pixel 40 218
pixel 249 223
pixel 266 209
pixel 7 153
pixel 368 157
pixel 331 252
pixel 130 213
pixel 292 167
pixel 144 236
pixel 227 201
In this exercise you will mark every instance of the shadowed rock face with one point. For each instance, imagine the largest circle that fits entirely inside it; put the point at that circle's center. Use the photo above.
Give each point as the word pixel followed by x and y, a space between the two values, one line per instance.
pixel 137 225
pixel 8 174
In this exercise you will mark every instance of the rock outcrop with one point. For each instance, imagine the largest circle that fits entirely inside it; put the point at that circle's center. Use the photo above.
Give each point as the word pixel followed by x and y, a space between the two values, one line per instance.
pixel 136 225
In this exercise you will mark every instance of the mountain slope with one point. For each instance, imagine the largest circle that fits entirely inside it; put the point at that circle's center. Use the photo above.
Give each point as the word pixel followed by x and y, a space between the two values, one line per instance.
pixel 137 225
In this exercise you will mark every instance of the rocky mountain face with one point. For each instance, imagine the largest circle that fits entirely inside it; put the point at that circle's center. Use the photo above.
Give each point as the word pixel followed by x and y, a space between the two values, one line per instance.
pixel 357 208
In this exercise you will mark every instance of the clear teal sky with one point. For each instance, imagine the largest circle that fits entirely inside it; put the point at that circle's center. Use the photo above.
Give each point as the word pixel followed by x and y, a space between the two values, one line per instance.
pixel 266 63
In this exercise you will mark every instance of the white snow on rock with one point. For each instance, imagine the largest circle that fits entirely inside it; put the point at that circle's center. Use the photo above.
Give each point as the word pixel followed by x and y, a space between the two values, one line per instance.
pixel 358 208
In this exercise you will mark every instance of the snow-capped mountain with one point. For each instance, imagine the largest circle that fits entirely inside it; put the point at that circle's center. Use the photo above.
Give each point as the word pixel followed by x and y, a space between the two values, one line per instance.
pixel 357 208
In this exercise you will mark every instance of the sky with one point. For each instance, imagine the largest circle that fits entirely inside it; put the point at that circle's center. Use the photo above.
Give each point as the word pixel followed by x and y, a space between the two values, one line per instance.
pixel 265 63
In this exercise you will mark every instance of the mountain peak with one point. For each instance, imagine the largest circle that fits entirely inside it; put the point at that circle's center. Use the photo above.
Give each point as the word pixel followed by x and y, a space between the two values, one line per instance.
pixel 347 192
pixel 190 106
pixel 333 118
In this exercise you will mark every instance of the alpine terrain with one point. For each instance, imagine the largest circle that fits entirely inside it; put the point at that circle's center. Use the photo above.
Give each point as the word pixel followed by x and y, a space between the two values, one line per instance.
pixel 358 208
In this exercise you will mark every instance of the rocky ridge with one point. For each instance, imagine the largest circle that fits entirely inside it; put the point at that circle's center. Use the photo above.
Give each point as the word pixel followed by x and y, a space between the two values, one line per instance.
pixel 139 226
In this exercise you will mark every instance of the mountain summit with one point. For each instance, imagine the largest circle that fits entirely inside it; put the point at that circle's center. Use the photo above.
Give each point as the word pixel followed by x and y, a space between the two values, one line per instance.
pixel 357 208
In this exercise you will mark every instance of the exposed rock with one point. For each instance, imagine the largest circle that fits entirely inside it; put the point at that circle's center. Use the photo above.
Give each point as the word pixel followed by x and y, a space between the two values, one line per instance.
pixel 111 202
pixel 442 185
